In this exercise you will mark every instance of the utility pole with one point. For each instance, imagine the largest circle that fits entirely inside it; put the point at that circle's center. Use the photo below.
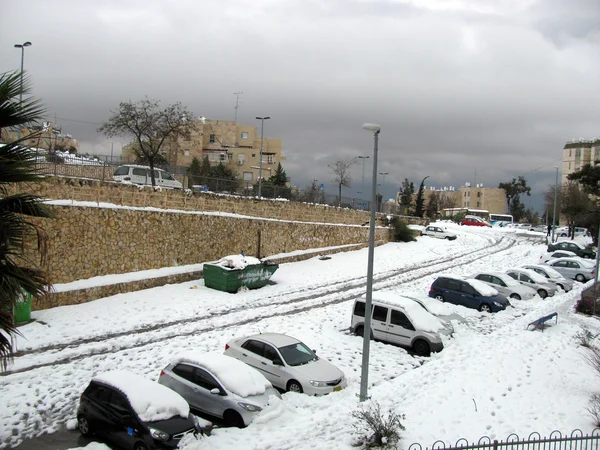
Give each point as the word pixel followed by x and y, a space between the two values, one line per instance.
pixel 362 189
pixel 237 103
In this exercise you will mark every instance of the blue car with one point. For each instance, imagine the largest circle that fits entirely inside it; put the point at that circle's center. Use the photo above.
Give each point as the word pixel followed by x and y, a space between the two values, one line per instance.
pixel 467 292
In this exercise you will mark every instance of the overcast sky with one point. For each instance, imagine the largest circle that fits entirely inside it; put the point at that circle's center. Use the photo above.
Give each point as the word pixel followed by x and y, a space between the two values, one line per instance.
pixel 464 90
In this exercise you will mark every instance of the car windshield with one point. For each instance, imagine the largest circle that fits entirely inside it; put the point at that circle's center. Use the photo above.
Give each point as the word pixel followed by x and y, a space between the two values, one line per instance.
pixel 552 273
pixel 508 280
pixel 297 354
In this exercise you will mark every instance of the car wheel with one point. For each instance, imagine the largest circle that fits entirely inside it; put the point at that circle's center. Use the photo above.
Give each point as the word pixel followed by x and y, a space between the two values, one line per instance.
pixel 580 278
pixel 84 426
pixel 421 348
pixel 360 331
pixel 440 298
pixel 140 446
pixel 233 419
pixel 563 235
pixel 542 293
pixel 294 386
pixel 515 296
pixel 484 307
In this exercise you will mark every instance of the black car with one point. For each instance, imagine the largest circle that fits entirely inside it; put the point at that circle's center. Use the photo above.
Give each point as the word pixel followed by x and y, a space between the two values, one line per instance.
pixel 469 293
pixel 579 250
pixel 133 413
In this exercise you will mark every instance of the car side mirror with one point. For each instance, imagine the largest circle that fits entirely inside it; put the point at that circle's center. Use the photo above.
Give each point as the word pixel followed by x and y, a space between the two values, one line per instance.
pixel 215 391
pixel 314 351
pixel 277 362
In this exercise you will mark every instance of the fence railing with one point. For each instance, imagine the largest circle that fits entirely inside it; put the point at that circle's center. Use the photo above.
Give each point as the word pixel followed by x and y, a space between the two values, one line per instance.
pixel 577 440
pixel 103 169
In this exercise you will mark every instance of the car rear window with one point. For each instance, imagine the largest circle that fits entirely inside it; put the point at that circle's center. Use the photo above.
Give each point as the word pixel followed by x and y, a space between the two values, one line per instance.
pixel 122 171
pixel 442 283
pixel 359 309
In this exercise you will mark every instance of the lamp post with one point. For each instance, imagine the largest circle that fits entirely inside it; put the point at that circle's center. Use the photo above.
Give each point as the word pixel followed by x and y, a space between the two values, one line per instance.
pixel 364 375
pixel 362 189
pixel 22 47
pixel 262 129
pixel 554 213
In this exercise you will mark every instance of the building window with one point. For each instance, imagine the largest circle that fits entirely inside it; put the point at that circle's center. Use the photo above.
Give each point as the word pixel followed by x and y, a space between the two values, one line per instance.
pixel 479 195
pixel 230 156
pixel 270 159
pixel 569 165
pixel 222 157
pixel 186 152
pixel 578 153
pixel 478 204
pixel 254 155
pixel 247 176
pixel 212 138
pixel 244 135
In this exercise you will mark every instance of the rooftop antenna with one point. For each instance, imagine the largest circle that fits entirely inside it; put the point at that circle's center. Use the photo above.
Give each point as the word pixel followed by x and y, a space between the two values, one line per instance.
pixel 237 103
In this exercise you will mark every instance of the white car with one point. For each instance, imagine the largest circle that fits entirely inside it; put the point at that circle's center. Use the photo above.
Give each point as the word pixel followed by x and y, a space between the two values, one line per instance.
pixel 438 232
pixel 575 269
pixel 287 363
pixel 534 280
pixel 142 175
pixel 505 285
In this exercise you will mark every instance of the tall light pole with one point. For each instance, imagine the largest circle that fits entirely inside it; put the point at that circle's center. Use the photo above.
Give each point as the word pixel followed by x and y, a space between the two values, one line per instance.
pixel 364 375
pixel 554 214
pixel 362 189
pixel 22 47
pixel 262 129
pixel 382 184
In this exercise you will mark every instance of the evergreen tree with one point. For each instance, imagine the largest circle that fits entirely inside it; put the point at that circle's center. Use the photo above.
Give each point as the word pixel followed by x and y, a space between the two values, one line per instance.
pixel 420 199
pixel 194 173
pixel 279 178
pixel 406 192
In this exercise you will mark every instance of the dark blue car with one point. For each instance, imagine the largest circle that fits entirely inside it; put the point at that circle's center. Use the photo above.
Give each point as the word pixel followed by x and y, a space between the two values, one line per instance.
pixel 461 292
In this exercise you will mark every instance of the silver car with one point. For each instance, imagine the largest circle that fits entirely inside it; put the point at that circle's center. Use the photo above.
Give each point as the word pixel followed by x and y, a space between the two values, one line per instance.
pixel 551 275
pixel 533 280
pixel 573 268
pixel 505 285
pixel 438 232
pixel 218 385
pixel 288 363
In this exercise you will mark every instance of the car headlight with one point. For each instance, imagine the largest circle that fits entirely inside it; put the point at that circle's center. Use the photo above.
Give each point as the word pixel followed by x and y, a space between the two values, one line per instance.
pixel 158 434
pixel 498 304
pixel 250 407
pixel 318 383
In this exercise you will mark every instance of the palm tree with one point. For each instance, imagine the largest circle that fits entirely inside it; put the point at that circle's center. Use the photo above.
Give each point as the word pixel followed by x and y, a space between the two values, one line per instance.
pixel 18 271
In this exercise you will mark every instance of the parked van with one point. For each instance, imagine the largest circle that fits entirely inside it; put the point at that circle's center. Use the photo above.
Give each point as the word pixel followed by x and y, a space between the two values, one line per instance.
pixel 141 175
pixel 400 320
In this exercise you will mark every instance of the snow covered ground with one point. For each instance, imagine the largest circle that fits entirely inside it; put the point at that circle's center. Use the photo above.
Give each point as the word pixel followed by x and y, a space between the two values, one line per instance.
pixel 493 378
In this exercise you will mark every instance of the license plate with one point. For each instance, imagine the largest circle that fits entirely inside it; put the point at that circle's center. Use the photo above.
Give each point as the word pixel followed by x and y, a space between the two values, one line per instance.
pixel 337 388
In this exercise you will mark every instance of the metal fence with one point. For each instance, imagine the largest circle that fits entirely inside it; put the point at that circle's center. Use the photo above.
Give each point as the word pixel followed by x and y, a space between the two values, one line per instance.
pixel 102 167
pixel 577 440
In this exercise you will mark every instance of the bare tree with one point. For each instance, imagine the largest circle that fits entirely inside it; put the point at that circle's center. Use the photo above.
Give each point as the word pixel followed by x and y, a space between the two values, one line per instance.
pixel 150 126
pixel 343 177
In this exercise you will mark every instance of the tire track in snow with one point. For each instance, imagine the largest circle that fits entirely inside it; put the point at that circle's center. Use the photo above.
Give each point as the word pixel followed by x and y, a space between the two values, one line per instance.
pixel 67 353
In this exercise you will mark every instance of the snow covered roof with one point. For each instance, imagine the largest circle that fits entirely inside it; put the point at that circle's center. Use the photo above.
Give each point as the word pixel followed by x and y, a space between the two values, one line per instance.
pixel 420 318
pixel 481 287
pixel 236 376
pixel 151 401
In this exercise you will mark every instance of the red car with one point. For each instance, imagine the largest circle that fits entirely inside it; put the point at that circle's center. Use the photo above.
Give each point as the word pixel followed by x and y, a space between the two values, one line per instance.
pixel 474 221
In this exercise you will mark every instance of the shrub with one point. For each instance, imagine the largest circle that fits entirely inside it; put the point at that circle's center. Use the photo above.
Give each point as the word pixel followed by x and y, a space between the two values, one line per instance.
pixel 586 306
pixel 584 337
pixel 594 408
pixel 375 429
pixel 401 231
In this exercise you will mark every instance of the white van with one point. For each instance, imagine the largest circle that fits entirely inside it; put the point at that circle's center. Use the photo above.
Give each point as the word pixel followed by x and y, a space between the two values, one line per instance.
pixel 402 321
pixel 141 175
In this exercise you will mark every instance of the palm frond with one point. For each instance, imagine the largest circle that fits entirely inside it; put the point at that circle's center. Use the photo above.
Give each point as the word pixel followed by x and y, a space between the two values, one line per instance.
pixel 17 164
pixel 13 112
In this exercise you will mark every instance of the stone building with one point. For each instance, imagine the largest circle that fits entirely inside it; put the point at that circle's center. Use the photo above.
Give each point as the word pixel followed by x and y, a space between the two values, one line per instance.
pixel 577 154
pixel 48 136
pixel 225 142
pixel 478 197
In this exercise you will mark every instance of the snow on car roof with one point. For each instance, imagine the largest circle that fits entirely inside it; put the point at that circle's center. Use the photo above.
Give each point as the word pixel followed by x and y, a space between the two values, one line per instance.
pixel 482 288
pixel 151 401
pixel 277 339
pixel 236 376
pixel 590 264
pixel 237 261
pixel 420 318
pixel 572 242
pixel 506 278
pixel 549 270
pixel 536 277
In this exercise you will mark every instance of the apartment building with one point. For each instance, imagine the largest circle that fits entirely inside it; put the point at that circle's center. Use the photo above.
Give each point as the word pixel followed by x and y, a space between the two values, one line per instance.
pixel 225 142
pixel 467 196
pixel 49 136
pixel 578 153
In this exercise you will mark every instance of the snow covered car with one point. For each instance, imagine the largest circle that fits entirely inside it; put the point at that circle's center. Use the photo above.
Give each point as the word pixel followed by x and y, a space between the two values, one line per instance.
pixel 133 413
pixel 505 285
pixel 438 232
pixel 468 292
pixel 475 221
pixel 534 280
pixel 402 321
pixel 575 269
pixel 218 385
pixel 551 275
pixel 287 363
pixel 544 258
pixel 574 247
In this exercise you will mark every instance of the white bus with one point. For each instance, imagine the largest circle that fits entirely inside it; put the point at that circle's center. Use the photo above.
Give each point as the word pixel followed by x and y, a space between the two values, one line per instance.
pixel 500 219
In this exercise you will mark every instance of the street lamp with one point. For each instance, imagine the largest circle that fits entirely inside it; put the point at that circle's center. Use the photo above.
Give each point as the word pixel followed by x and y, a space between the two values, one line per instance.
pixel 364 375
pixel 362 190
pixel 554 214
pixel 22 47
pixel 262 129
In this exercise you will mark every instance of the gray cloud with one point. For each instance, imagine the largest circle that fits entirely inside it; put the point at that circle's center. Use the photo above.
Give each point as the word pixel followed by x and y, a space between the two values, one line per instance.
pixel 494 87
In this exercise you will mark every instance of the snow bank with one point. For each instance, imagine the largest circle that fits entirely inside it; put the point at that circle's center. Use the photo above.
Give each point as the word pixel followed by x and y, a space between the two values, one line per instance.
pixel 482 288
pixel 237 261
pixel 151 401
pixel 235 375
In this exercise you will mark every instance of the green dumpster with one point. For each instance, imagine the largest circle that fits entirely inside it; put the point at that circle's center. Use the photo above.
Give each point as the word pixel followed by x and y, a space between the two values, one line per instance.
pixel 231 280
pixel 22 310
